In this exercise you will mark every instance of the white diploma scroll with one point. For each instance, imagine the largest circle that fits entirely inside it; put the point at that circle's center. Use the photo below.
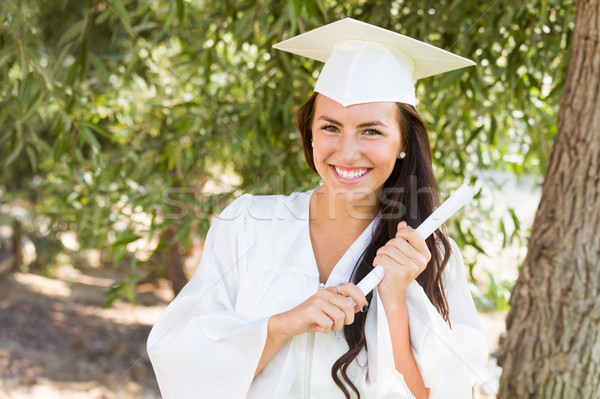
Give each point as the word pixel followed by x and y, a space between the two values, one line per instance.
pixel 447 209
pixel 370 281
pixel 431 224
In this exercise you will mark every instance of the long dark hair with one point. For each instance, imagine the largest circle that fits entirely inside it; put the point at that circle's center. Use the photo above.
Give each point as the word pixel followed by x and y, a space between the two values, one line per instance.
pixel 412 178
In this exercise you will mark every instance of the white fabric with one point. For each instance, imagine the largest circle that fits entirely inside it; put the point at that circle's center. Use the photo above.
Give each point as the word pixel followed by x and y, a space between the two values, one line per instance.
pixel 359 71
pixel 258 261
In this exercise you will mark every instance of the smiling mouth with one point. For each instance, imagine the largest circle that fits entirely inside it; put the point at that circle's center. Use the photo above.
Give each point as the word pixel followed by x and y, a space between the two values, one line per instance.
pixel 352 174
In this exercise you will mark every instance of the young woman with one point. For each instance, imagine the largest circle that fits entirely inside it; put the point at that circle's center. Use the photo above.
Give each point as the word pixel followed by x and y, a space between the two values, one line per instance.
pixel 273 310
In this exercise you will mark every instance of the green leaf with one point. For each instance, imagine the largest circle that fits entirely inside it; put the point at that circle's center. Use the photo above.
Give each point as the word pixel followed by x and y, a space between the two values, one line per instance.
pixel 99 66
pixel 25 88
pixel 16 151
pixel 104 16
pixel 180 10
pixel 322 8
pixel 125 238
pixel 74 30
pixel 516 222
pixel 98 129
pixel 121 12
pixel 32 106
pixel 119 254
pixel 292 17
pixel 32 158
pixel 90 138
pixel 503 231
pixel 7 53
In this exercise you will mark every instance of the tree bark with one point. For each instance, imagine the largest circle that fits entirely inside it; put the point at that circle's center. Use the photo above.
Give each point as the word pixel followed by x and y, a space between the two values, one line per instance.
pixel 552 345
pixel 17 244
pixel 173 260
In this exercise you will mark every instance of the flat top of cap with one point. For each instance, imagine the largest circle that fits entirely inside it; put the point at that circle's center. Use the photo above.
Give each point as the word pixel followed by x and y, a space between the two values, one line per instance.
pixel 319 43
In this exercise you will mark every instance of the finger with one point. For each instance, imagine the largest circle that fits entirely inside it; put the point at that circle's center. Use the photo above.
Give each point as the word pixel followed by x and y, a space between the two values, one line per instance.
pixel 401 245
pixel 401 251
pixel 337 315
pixel 328 293
pixel 391 266
pixel 345 305
pixel 317 315
pixel 323 322
pixel 352 291
pixel 415 239
pixel 397 254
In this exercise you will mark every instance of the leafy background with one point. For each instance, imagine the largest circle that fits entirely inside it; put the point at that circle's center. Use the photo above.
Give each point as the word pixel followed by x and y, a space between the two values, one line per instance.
pixel 129 124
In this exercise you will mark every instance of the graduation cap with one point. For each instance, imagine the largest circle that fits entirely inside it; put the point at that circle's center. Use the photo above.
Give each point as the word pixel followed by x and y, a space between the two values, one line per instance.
pixel 365 63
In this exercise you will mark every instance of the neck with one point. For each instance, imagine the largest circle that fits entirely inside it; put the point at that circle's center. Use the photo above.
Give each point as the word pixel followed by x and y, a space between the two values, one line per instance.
pixel 327 209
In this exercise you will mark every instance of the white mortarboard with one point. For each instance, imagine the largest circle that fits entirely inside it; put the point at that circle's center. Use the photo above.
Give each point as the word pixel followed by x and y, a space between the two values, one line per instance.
pixel 365 63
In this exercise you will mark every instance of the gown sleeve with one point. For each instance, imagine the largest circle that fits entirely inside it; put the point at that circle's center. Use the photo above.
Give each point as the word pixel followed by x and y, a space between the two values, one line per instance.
pixel 200 346
pixel 449 358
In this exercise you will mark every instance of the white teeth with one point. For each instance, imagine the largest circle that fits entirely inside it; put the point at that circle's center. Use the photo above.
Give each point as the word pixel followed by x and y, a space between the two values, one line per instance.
pixel 351 175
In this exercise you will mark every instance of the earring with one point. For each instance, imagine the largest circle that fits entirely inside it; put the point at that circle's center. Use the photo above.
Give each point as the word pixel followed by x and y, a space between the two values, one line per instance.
pixel 311 143
pixel 402 155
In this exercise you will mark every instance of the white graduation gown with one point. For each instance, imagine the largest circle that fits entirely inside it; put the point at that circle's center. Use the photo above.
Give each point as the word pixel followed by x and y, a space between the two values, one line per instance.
pixel 258 261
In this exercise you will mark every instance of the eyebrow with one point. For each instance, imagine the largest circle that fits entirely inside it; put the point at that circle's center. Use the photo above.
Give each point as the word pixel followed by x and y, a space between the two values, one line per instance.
pixel 364 124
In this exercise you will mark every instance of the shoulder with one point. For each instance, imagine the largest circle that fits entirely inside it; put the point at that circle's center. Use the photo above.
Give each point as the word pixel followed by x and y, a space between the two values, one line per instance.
pixel 269 207
pixel 236 208
pixel 253 211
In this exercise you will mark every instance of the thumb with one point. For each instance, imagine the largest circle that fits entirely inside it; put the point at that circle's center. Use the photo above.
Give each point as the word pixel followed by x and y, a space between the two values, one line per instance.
pixel 402 225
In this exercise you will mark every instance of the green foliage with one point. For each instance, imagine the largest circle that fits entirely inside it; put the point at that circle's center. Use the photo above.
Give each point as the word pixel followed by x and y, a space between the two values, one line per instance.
pixel 124 288
pixel 495 297
pixel 120 117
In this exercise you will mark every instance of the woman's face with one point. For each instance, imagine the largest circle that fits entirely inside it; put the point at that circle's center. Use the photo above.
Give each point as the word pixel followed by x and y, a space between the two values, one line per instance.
pixel 355 148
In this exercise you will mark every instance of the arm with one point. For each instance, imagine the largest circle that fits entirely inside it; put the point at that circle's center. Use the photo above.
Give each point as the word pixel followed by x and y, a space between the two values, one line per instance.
pixel 404 361
pixel 404 258
pixel 325 311
pixel 449 360
pixel 275 341
pixel 200 341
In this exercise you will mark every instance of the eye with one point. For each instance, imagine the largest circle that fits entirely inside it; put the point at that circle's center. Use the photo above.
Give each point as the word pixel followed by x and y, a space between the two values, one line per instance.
pixel 372 132
pixel 330 128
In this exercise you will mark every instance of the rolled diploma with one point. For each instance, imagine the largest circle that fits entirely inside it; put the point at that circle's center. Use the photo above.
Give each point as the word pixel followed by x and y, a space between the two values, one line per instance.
pixel 431 224
pixel 447 209
pixel 370 281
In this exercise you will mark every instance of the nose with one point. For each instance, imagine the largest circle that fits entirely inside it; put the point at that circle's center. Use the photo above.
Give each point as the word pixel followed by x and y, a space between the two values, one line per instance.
pixel 349 150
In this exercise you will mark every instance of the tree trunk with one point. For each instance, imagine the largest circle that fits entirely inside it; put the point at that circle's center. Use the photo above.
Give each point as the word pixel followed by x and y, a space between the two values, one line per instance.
pixel 17 246
pixel 552 345
pixel 173 260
